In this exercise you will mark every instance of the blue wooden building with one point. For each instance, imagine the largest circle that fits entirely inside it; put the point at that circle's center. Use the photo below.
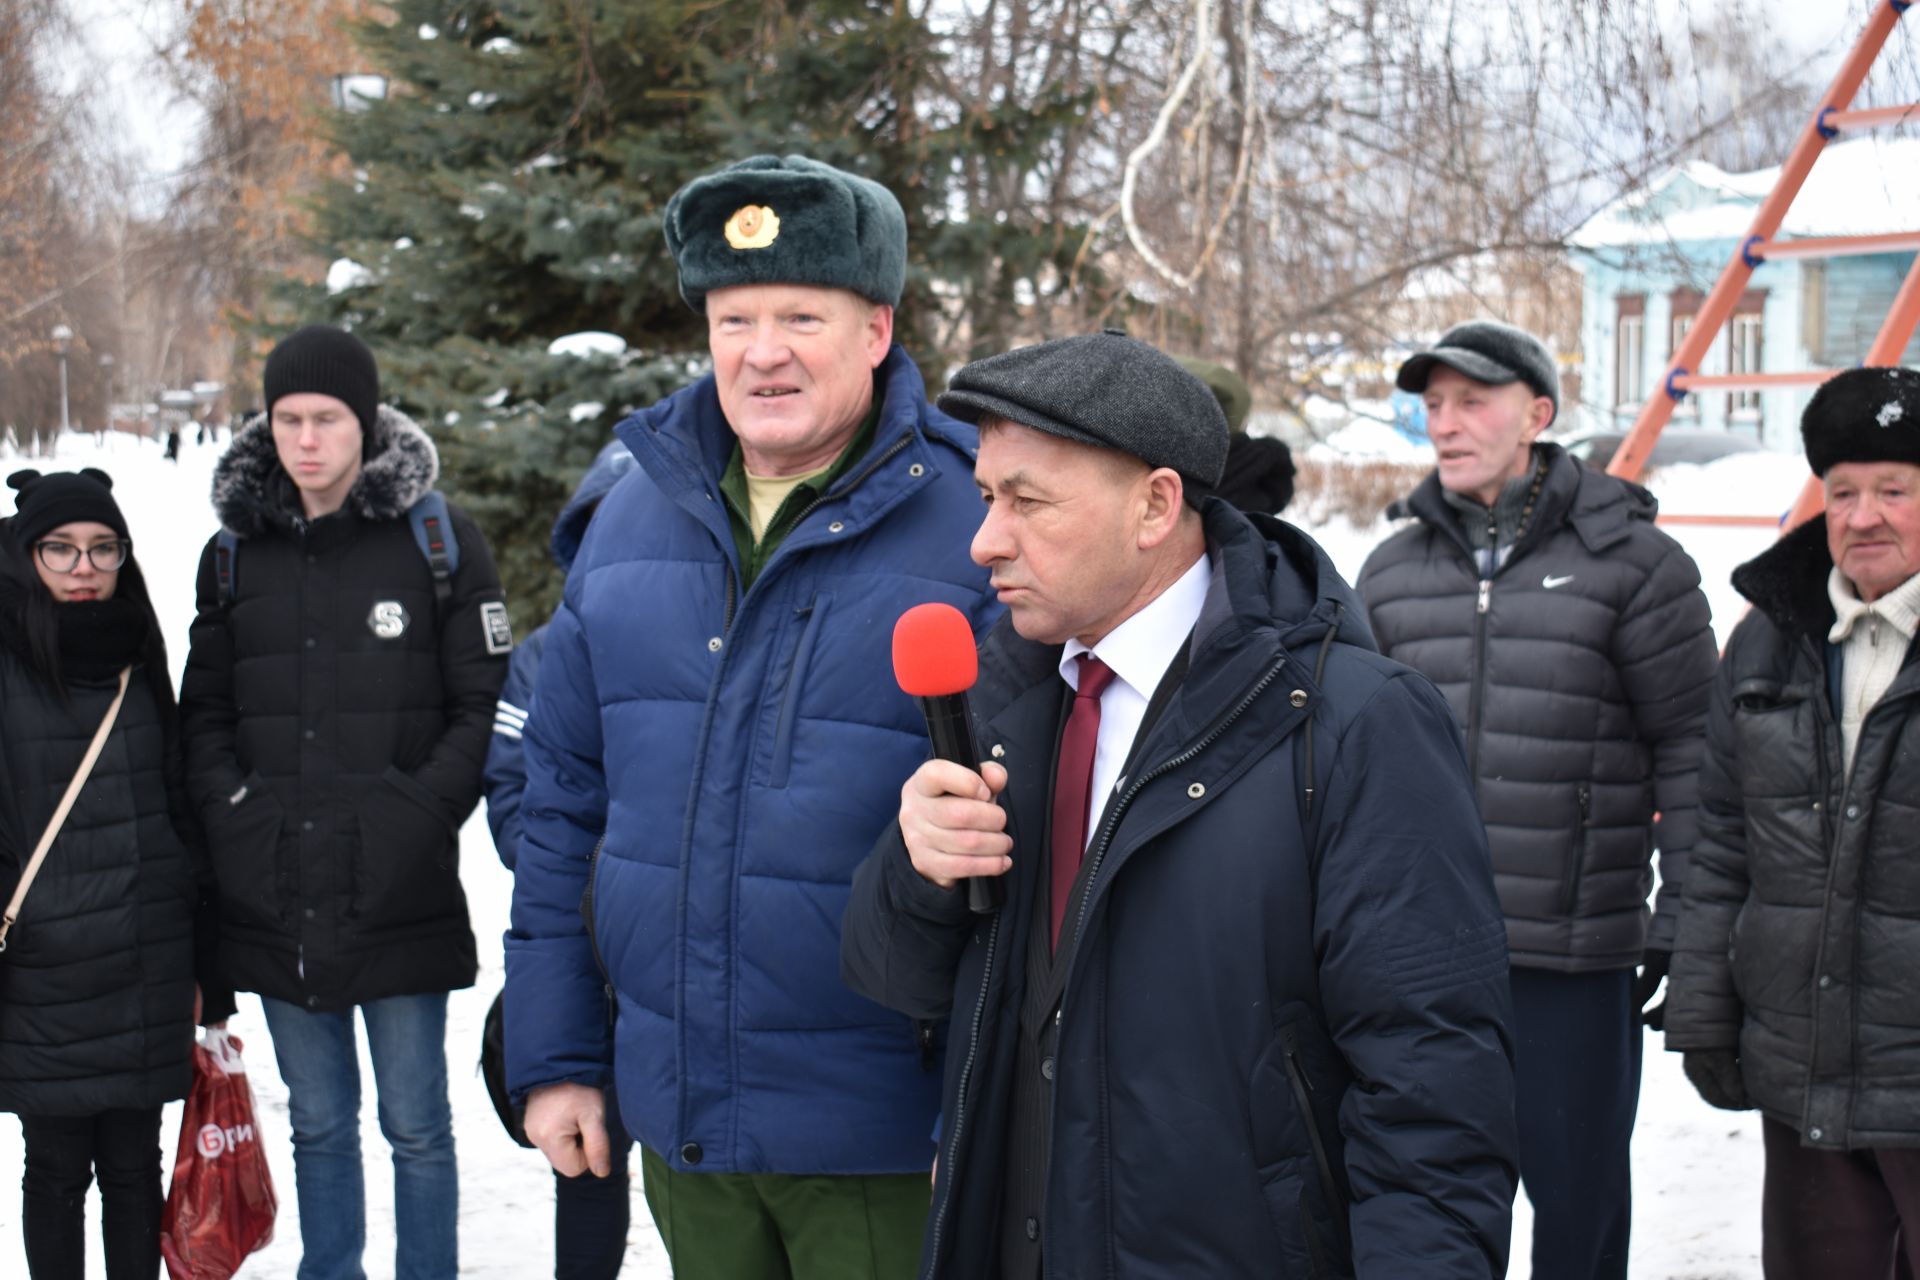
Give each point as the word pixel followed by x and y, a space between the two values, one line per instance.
pixel 1648 259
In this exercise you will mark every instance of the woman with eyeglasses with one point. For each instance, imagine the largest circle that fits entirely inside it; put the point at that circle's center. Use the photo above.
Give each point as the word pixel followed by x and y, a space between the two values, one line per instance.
pixel 98 991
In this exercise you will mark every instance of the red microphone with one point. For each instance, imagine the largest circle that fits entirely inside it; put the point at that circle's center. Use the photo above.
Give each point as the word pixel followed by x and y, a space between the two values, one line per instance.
pixel 934 661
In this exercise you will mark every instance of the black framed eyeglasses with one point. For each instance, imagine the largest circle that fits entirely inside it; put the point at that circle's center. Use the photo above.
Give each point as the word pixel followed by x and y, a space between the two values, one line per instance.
pixel 64 557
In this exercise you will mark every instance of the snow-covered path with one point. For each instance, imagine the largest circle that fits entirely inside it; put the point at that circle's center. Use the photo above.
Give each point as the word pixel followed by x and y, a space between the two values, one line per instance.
pixel 1696 1171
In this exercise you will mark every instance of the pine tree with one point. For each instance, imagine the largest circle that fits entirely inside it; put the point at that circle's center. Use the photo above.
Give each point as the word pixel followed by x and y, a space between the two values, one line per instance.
pixel 511 187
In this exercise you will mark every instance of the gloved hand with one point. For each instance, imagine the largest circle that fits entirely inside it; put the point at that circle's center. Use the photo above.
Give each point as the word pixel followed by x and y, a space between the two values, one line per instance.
pixel 1653 967
pixel 1716 1074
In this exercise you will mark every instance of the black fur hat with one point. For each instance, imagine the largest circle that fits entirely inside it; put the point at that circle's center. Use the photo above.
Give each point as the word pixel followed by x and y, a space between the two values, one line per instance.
pixel 1863 415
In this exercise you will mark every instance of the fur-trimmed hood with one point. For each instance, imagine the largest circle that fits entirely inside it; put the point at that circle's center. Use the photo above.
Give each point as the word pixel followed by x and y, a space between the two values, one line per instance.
pixel 252 493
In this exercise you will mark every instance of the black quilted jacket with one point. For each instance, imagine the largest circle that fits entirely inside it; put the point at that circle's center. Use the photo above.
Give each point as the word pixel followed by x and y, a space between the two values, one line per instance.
pixel 1800 938
pixel 1580 671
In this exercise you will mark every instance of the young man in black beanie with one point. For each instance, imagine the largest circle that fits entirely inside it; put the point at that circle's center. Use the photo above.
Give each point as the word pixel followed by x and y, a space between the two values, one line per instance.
pixel 1571 638
pixel 1797 974
pixel 338 698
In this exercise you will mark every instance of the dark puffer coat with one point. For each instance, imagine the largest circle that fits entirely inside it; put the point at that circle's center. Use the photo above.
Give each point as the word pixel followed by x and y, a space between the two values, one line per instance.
pixel 96 983
pixel 1282 1044
pixel 1581 671
pixel 1800 941
pixel 332 755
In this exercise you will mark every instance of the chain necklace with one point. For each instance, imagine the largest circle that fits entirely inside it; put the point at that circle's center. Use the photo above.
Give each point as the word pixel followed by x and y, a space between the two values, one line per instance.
pixel 1526 512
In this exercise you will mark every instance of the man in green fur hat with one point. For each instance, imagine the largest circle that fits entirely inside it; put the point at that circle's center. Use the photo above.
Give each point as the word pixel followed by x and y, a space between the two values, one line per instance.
pixel 714 744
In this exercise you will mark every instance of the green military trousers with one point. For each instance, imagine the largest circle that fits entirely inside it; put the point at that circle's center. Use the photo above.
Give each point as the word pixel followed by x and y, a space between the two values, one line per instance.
pixel 776 1226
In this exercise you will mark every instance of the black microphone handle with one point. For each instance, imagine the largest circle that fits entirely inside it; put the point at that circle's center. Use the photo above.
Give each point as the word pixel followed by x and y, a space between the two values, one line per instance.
pixel 951 729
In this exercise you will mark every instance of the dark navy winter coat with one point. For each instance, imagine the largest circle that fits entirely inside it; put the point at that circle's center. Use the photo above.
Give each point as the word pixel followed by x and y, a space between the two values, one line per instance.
pixel 1282 1044
pixel 714 763
pixel 505 778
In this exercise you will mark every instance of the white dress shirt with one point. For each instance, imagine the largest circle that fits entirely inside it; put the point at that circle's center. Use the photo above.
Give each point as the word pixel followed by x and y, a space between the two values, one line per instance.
pixel 1138 651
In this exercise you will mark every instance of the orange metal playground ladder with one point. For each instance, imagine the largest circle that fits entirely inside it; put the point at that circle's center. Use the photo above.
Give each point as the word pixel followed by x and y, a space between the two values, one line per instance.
pixel 1760 246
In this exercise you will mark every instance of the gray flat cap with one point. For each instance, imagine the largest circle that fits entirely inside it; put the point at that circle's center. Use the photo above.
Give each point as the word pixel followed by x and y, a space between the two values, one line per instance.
pixel 1490 352
pixel 1103 389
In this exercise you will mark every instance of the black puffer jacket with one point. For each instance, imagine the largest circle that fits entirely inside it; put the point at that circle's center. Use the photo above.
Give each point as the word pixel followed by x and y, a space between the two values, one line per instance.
pixel 96 984
pixel 337 721
pixel 1581 672
pixel 1800 939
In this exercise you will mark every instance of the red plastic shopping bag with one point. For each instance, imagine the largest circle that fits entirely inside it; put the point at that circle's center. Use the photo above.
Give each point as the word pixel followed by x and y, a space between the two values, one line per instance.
pixel 220 1207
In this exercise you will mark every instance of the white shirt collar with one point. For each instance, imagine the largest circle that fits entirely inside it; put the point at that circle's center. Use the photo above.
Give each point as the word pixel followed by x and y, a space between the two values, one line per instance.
pixel 1140 649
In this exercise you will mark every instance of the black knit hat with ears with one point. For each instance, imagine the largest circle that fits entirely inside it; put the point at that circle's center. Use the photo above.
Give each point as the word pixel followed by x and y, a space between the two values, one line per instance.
pixel 329 362
pixel 48 501
pixel 1863 415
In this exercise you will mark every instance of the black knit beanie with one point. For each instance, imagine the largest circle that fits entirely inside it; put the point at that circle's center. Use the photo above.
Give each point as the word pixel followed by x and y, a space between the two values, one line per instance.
pixel 329 362
pixel 48 501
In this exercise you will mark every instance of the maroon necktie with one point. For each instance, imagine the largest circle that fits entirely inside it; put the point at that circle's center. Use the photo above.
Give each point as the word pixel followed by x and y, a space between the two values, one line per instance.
pixel 1073 780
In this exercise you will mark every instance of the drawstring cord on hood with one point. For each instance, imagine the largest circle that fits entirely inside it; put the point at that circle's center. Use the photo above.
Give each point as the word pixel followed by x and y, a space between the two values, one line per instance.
pixel 1319 669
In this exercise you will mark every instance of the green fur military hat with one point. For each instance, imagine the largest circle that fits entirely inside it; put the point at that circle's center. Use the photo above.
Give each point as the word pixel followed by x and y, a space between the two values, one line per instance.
pixel 787 220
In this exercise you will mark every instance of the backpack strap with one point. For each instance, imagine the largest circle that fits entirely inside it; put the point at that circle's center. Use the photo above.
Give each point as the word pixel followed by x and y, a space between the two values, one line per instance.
pixel 433 531
pixel 226 545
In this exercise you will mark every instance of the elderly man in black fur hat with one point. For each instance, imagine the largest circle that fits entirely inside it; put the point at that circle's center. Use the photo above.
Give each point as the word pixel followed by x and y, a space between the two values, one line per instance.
pixel 339 694
pixel 1796 982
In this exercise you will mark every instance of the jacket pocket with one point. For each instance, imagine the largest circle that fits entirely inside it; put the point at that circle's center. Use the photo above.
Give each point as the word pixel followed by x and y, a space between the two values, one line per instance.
pixel 243 841
pixel 1299 1168
pixel 795 687
pixel 405 868
pixel 1577 860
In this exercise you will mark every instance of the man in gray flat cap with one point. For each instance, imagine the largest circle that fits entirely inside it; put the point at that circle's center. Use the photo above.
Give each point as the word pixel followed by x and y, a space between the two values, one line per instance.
pixel 709 753
pixel 1571 638
pixel 1243 1012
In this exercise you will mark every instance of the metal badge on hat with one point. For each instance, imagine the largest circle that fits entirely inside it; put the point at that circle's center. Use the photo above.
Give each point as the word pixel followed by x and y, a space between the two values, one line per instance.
pixel 753 226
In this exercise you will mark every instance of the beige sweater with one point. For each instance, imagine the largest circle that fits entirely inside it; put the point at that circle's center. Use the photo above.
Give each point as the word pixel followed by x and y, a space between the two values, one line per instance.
pixel 1873 639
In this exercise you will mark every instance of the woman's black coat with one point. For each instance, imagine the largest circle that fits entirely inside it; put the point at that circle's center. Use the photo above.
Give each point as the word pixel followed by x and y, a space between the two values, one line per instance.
pixel 96 983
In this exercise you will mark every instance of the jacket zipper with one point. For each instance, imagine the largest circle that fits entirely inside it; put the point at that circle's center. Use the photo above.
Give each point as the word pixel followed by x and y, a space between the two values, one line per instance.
pixel 958 1127
pixel 726 621
pixel 1584 793
pixel 593 940
pixel 1126 797
pixel 1302 1095
pixel 1477 693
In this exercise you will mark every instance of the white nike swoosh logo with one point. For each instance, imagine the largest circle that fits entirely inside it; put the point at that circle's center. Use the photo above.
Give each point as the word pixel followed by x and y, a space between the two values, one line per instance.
pixel 1550 582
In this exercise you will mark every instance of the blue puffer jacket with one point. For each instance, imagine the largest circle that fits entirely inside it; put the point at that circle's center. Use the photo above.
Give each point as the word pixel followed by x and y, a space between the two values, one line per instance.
pixel 705 769
pixel 505 778
pixel 1282 1045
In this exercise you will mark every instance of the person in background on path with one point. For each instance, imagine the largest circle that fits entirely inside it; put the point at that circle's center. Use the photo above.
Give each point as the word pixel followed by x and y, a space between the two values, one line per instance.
pixel 1244 1011
pixel 338 698
pixel 103 974
pixel 1259 475
pixel 1796 981
pixel 1571 638
pixel 714 743
pixel 591 1211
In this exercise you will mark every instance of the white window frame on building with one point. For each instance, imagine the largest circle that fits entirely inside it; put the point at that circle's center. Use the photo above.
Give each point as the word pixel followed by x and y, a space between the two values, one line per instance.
pixel 1630 352
pixel 1746 353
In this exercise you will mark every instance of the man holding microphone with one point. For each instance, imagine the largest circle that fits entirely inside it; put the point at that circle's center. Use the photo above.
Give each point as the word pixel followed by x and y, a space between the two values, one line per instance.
pixel 1243 1011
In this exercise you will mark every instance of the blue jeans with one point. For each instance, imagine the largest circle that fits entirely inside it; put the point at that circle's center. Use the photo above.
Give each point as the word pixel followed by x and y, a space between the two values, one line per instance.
pixel 407 1037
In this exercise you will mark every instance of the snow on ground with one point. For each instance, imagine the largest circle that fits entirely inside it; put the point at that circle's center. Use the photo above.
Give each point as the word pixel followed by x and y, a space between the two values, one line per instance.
pixel 1696 1171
